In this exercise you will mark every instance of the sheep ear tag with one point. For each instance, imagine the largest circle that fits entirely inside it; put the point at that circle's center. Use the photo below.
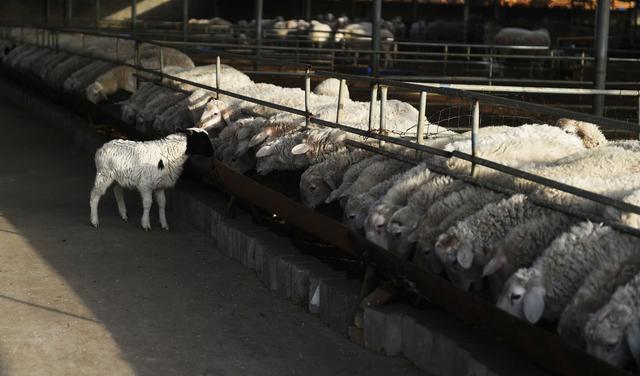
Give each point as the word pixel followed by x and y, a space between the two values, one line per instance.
pixel 465 257
pixel 300 149
pixel 534 304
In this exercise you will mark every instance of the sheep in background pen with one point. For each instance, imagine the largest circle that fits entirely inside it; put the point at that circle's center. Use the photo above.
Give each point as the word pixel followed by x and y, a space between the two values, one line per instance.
pixel 137 101
pixel 150 167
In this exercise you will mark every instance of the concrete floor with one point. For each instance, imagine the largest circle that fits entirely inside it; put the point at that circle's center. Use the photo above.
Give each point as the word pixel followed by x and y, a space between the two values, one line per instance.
pixel 121 301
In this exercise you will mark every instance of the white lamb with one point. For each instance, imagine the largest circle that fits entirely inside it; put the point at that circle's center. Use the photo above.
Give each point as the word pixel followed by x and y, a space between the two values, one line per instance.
pixel 331 87
pixel 546 288
pixel 150 167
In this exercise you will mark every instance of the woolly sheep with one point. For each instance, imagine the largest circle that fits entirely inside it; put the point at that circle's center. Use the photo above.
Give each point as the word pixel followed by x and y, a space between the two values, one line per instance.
pixel 319 33
pixel 57 76
pixel 78 81
pixel 150 167
pixel 404 221
pixel 513 36
pixel 357 206
pixel 137 101
pixel 110 82
pixel 613 332
pixel 444 213
pixel 463 248
pixel 230 78
pixel 546 288
pixel 351 175
pixel 372 175
pixel 599 287
pixel 317 182
pixel 331 87
pixel 377 216
pixel 155 107
pixel 521 246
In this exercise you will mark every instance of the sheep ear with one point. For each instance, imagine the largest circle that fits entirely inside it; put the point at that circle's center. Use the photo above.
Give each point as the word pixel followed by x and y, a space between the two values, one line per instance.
pixel 632 336
pixel 225 116
pixel 327 179
pixel 465 257
pixel 495 264
pixel 534 304
pixel 264 151
pixel 300 149
pixel 255 140
pixel 413 237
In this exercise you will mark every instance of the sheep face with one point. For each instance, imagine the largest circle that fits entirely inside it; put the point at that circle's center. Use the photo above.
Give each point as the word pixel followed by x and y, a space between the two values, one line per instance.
pixel 523 295
pixel 355 214
pixel 240 163
pixel 456 254
pixel 612 334
pixel 401 231
pixel 313 188
pixel 376 224
pixel 95 93
pixel 214 115
pixel 198 143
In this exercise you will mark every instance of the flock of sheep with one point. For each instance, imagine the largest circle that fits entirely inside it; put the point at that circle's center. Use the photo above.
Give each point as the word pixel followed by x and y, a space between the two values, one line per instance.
pixel 536 263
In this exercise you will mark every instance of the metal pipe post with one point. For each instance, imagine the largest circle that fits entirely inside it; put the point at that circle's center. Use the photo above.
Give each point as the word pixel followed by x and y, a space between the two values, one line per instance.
pixel 136 59
pixel 69 12
pixel 307 10
pixel 307 94
pixel 258 12
pixel 185 19
pixel 117 49
pixel 341 90
pixel 374 99
pixel 161 56
pixel 134 14
pixel 421 117
pixel 98 15
pixel 383 120
pixel 475 128
pixel 638 106
pixel 47 12
pixel 376 23
pixel 600 53
pixel 465 20
pixel 218 69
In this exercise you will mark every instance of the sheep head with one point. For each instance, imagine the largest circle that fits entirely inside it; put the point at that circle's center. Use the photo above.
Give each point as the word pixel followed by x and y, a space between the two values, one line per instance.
pixel 613 334
pixel 198 142
pixel 456 254
pixel 589 133
pixel 314 188
pixel 215 115
pixel 523 295
pixel 401 229
pixel 95 93
pixel 375 226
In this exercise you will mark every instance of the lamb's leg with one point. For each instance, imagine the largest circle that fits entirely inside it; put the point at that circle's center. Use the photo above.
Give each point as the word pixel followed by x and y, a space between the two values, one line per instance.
pixel 122 208
pixel 162 201
pixel 100 186
pixel 147 200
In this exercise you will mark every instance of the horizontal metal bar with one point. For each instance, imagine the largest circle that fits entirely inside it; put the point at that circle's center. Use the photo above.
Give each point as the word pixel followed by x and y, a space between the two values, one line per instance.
pixel 531 89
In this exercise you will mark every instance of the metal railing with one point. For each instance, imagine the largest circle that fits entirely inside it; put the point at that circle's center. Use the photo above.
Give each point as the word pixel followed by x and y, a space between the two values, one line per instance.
pixel 417 144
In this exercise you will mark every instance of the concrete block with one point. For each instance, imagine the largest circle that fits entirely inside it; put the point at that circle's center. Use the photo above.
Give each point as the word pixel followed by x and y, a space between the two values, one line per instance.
pixel 409 338
pixel 341 298
pixel 374 329
pixel 315 278
pixel 424 348
pixel 284 272
pixel 300 272
pixel 393 332
pixel 272 251
pixel 356 335
pixel 200 215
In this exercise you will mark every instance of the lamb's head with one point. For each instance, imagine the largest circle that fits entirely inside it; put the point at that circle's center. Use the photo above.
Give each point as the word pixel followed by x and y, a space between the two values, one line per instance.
pixel 198 142
pixel 523 295
pixel 375 227
pixel 589 133
pixel 240 163
pixel 315 187
pixel 613 334
pixel 277 156
pixel 129 113
pixel 320 142
pixel 95 93
pixel 214 115
pixel 355 212
pixel 461 262
pixel 401 230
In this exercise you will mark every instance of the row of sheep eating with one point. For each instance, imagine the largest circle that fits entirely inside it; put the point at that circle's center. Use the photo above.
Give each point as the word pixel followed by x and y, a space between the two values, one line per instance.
pixel 534 262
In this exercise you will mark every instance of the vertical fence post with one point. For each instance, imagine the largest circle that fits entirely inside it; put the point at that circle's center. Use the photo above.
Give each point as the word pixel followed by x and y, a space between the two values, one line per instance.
pixel 421 117
pixel 307 93
pixel 161 61
pixel 475 127
pixel 638 106
pixel 376 23
pixel 136 60
pixel 98 15
pixel 134 14
pixel 374 99
pixel 258 13
pixel 69 12
pixel 82 41
pixel 218 68
pixel 341 91
pixel 383 102
pixel 117 49
pixel 185 19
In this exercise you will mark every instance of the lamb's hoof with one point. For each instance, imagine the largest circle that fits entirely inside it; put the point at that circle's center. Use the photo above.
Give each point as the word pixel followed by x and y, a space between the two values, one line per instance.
pixel 95 224
pixel 124 217
pixel 146 228
pixel 166 228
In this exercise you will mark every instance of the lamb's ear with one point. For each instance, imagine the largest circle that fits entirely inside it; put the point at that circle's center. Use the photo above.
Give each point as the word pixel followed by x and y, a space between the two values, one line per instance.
pixel 255 140
pixel 534 304
pixel 300 149
pixel 264 151
pixel 632 335
pixel 225 116
pixel 464 257
pixel 496 263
